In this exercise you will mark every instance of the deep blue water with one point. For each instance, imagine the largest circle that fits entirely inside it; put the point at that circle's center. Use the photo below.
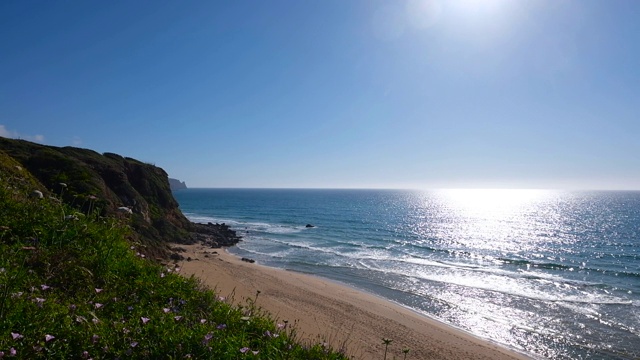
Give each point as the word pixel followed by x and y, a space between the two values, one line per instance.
pixel 552 274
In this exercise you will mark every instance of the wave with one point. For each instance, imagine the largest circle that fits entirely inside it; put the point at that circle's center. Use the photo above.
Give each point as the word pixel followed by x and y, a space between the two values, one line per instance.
pixel 382 262
pixel 377 257
pixel 248 225
pixel 535 291
pixel 274 255
pixel 401 246
pixel 557 266
pixel 523 290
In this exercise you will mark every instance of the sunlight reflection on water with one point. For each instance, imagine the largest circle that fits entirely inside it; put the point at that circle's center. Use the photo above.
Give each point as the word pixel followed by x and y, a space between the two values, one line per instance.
pixel 553 273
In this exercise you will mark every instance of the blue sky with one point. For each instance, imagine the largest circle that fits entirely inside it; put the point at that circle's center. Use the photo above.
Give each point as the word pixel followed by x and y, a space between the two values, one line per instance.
pixel 391 94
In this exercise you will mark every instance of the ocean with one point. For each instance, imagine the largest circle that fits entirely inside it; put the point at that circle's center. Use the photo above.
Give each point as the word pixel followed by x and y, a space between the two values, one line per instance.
pixel 552 274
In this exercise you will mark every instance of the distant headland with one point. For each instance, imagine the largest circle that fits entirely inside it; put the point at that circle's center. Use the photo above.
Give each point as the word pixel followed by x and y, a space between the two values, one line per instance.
pixel 176 184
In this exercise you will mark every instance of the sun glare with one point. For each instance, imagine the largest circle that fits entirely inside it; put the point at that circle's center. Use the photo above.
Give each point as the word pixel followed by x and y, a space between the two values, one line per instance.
pixel 479 6
pixel 491 201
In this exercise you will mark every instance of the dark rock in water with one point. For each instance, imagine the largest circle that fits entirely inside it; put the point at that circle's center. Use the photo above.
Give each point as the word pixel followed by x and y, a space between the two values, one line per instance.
pixel 248 260
pixel 309 226
pixel 213 235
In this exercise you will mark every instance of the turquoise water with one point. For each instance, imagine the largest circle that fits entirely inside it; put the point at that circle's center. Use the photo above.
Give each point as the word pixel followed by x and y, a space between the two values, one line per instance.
pixel 552 274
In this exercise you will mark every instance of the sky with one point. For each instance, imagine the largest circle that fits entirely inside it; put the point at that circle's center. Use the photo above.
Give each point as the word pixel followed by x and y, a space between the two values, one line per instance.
pixel 334 93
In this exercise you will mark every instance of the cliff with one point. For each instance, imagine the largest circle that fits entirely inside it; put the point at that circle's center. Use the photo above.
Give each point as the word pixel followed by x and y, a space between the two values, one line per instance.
pixel 176 184
pixel 106 182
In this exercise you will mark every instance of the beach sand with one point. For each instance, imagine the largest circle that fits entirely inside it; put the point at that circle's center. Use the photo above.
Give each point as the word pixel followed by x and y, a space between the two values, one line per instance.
pixel 324 311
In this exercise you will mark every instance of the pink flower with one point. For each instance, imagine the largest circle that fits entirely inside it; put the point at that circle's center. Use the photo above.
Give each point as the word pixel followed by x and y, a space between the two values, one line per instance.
pixel 203 321
pixel 177 318
pixel 12 352
pixel 98 305
pixel 244 350
pixel 162 275
pixel 134 344
pixel 98 290
pixel 16 336
pixel 145 320
pixel 166 310
pixel 45 287
pixel 85 354
pixel 255 352
pixel 48 338
pixel 207 338
pixel 94 339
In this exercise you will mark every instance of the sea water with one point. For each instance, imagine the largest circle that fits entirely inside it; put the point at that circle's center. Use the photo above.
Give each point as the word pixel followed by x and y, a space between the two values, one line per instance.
pixel 552 274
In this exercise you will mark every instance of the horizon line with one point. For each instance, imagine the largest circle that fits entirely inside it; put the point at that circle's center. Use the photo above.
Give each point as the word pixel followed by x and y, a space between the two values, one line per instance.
pixel 405 189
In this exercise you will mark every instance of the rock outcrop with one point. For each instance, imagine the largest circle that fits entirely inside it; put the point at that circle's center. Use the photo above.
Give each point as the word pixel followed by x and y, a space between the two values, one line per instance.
pixel 214 235
pixel 109 182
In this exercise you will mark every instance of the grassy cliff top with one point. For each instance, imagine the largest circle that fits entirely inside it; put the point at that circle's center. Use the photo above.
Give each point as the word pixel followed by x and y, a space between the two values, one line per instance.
pixel 73 285
pixel 105 182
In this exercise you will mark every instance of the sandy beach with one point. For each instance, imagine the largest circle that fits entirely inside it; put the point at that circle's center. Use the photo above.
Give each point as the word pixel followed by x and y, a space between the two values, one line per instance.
pixel 324 311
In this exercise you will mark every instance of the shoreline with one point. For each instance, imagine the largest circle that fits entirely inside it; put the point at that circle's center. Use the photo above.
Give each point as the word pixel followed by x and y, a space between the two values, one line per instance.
pixel 325 311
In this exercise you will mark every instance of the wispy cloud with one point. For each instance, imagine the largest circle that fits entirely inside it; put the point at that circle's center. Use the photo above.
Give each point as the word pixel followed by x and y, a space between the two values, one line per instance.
pixel 4 132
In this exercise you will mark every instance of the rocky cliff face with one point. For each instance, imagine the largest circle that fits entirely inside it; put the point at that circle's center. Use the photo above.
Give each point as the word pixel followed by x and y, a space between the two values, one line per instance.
pixel 107 182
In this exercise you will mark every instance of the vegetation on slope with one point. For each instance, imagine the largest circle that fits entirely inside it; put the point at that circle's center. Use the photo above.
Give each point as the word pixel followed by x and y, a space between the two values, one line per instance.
pixel 75 174
pixel 73 286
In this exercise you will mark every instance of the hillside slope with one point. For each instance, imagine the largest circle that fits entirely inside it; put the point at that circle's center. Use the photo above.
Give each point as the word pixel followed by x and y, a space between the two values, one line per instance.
pixel 84 178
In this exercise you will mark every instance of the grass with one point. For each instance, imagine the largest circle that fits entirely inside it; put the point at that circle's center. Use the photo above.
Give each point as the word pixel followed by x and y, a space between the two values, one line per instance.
pixel 72 285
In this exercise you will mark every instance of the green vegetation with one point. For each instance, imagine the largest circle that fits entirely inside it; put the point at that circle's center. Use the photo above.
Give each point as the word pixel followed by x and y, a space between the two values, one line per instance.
pixel 75 174
pixel 72 285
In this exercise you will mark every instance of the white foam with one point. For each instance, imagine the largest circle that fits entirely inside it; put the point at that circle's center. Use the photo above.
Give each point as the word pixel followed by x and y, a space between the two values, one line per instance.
pixel 521 283
pixel 247 225
pixel 519 287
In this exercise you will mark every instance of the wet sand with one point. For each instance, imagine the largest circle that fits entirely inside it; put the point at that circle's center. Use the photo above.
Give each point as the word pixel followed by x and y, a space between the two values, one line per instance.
pixel 324 311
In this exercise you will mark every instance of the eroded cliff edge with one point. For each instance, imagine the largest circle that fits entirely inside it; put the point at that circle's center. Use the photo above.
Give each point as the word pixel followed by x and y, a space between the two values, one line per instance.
pixel 108 181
